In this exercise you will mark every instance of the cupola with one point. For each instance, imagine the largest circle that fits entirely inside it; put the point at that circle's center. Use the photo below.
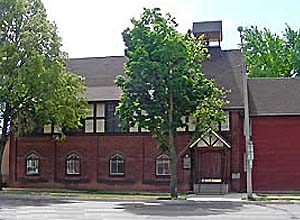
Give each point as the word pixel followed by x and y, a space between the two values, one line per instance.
pixel 212 31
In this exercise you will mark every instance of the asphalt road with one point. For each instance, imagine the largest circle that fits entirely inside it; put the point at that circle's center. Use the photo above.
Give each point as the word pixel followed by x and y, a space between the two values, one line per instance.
pixel 33 207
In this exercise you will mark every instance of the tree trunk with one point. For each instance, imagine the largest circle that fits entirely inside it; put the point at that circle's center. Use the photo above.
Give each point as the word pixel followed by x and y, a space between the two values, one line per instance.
pixel 173 157
pixel 3 141
pixel 1 154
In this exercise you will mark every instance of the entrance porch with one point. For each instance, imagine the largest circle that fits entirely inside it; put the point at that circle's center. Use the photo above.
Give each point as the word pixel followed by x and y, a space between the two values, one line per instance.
pixel 211 164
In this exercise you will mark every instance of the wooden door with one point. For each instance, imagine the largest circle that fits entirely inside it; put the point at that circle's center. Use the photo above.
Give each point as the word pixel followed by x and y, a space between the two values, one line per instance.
pixel 210 167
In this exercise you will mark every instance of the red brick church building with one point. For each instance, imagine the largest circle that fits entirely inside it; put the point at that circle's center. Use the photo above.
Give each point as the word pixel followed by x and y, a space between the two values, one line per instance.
pixel 102 156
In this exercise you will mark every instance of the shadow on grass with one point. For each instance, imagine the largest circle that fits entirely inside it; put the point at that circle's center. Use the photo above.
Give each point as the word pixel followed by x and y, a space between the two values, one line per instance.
pixel 181 208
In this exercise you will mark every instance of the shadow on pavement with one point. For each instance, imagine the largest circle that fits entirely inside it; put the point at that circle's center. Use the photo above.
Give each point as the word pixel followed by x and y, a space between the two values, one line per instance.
pixel 7 200
pixel 182 209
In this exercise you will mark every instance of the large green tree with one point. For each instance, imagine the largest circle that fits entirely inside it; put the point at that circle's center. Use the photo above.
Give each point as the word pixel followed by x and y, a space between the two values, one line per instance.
pixel 271 55
pixel 162 83
pixel 35 88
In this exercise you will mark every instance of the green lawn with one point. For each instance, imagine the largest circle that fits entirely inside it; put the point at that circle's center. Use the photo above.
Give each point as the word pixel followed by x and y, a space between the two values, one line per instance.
pixel 131 195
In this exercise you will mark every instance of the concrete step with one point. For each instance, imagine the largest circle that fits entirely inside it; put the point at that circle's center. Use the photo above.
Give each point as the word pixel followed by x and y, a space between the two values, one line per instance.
pixel 211 188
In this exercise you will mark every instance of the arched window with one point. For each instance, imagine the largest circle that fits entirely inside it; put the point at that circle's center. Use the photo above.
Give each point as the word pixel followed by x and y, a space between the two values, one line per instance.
pixel 73 164
pixel 117 165
pixel 32 164
pixel 163 165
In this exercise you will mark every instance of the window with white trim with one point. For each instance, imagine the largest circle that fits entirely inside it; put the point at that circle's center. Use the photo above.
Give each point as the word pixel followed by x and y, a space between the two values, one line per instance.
pixel 89 121
pixel 117 165
pixel 225 125
pixel 192 123
pixel 102 118
pixel 73 164
pixel 163 165
pixel 32 164
pixel 113 121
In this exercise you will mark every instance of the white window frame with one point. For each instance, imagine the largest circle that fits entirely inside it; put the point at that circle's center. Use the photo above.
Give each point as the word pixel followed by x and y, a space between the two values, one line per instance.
pixel 32 164
pixel 187 163
pixel 119 160
pixel 72 161
pixel 225 125
pixel 163 160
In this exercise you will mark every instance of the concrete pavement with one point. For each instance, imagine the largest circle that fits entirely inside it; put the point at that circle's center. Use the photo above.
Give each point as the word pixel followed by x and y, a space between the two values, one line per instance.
pixel 223 207
pixel 230 197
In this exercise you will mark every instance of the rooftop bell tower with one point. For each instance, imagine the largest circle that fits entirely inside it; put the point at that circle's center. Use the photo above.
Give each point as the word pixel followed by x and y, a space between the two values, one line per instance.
pixel 212 31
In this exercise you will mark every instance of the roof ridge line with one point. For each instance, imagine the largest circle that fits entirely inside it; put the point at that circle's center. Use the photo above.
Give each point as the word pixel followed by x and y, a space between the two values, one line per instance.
pixel 277 78
pixel 104 57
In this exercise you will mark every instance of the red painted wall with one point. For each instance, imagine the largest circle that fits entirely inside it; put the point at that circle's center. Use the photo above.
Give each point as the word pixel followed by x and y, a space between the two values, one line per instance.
pixel 277 153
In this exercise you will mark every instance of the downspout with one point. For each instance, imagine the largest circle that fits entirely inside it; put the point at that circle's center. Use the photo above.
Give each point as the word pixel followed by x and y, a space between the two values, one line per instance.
pixel 248 143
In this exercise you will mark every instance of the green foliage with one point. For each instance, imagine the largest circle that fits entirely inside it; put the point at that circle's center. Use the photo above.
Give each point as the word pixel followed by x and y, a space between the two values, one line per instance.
pixel 293 47
pixel 35 88
pixel 162 83
pixel 164 64
pixel 269 55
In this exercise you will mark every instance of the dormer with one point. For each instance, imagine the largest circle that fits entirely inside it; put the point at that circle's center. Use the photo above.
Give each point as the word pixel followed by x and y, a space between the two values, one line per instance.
pixel 212 31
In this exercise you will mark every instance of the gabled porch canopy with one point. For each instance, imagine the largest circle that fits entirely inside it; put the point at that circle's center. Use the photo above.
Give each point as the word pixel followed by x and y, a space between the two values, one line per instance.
pixel 210 139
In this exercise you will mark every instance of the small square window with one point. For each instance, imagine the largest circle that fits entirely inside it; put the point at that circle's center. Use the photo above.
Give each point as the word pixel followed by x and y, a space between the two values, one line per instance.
pixel 187 162
pixel 192 123
pixel 91 110
pixel 100 110
pixel 135 128
pixel 89 126
pixel 100 125
pixel 48 129
pixel 225 126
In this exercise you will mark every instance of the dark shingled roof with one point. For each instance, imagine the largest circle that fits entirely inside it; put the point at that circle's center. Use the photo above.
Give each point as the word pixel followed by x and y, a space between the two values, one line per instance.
pixel 225 68
pixel 100 73
pixel 274 96
pixel 103 93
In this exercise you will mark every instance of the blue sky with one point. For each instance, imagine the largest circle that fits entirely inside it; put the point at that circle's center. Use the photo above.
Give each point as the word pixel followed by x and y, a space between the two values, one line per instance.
pixel 92 28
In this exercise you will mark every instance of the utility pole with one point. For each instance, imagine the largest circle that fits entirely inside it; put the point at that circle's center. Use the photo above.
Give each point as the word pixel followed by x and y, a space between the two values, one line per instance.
pixel 248 142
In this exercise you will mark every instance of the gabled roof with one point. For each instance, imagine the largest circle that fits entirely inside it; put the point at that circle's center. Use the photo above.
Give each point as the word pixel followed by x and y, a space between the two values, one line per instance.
pixel 225 67
pixel 100 73
pixel 207 134
pixel 274 96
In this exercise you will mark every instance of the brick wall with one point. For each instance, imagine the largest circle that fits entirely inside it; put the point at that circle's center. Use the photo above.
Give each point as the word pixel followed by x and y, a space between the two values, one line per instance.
pixel 139 151
pixel 95 151
pixel 237 151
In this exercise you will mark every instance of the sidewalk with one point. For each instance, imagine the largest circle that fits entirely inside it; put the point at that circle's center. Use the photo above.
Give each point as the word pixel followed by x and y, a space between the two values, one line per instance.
pixel 239 197
pixel 230 197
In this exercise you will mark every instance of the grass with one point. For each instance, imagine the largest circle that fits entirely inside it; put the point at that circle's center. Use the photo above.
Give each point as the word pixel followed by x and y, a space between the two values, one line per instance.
pixel 279 194
pixel 276 197
pixel 96 194
pixel 282 199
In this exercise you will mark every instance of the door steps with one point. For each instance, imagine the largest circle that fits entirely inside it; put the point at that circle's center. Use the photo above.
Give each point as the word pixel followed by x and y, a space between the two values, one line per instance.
pixel 211 188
